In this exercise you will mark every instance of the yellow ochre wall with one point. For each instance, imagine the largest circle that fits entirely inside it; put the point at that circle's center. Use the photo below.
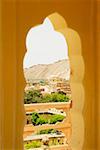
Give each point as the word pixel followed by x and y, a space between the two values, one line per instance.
pixel 16 18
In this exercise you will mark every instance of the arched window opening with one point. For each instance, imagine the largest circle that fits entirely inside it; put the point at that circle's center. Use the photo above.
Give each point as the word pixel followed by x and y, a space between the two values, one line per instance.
pixel 47 93
pixel 47 96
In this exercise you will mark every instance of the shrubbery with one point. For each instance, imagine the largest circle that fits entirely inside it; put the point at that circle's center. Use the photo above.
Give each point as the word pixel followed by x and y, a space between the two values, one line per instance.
pixel 38 119
pixel 32 96
pixel 47 131
pixel 56 118
pixel 35 96
pixel 33 144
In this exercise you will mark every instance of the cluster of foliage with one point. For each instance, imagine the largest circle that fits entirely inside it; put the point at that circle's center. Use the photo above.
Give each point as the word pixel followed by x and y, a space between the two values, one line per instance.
pixel 32 96
pixel 33 144
pixel 49 131
pixel 38 119
pixel 35 96
pixel 38 144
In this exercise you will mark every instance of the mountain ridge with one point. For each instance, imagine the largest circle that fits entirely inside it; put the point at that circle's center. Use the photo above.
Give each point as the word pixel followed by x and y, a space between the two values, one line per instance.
pixel 59 68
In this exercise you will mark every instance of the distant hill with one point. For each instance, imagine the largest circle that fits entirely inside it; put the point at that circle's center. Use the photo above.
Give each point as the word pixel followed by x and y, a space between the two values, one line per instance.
pixel 42 71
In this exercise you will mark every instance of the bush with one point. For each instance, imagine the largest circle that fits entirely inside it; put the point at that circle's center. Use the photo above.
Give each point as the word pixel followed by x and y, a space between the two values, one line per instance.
pixel 56 118
pixel 33 144
pixel 32 96
pixel 37 119
pixel 47 131
pixel 28 97
pixel 47 98
pixel 35 116
pixel 35 96
pixel 41 121
pixel 57 97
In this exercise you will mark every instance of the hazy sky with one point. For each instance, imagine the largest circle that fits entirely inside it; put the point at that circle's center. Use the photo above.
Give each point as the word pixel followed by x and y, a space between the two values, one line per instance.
pixel 44 45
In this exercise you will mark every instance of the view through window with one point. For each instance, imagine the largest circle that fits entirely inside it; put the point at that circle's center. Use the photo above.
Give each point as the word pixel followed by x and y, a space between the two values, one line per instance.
pixel 47 96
